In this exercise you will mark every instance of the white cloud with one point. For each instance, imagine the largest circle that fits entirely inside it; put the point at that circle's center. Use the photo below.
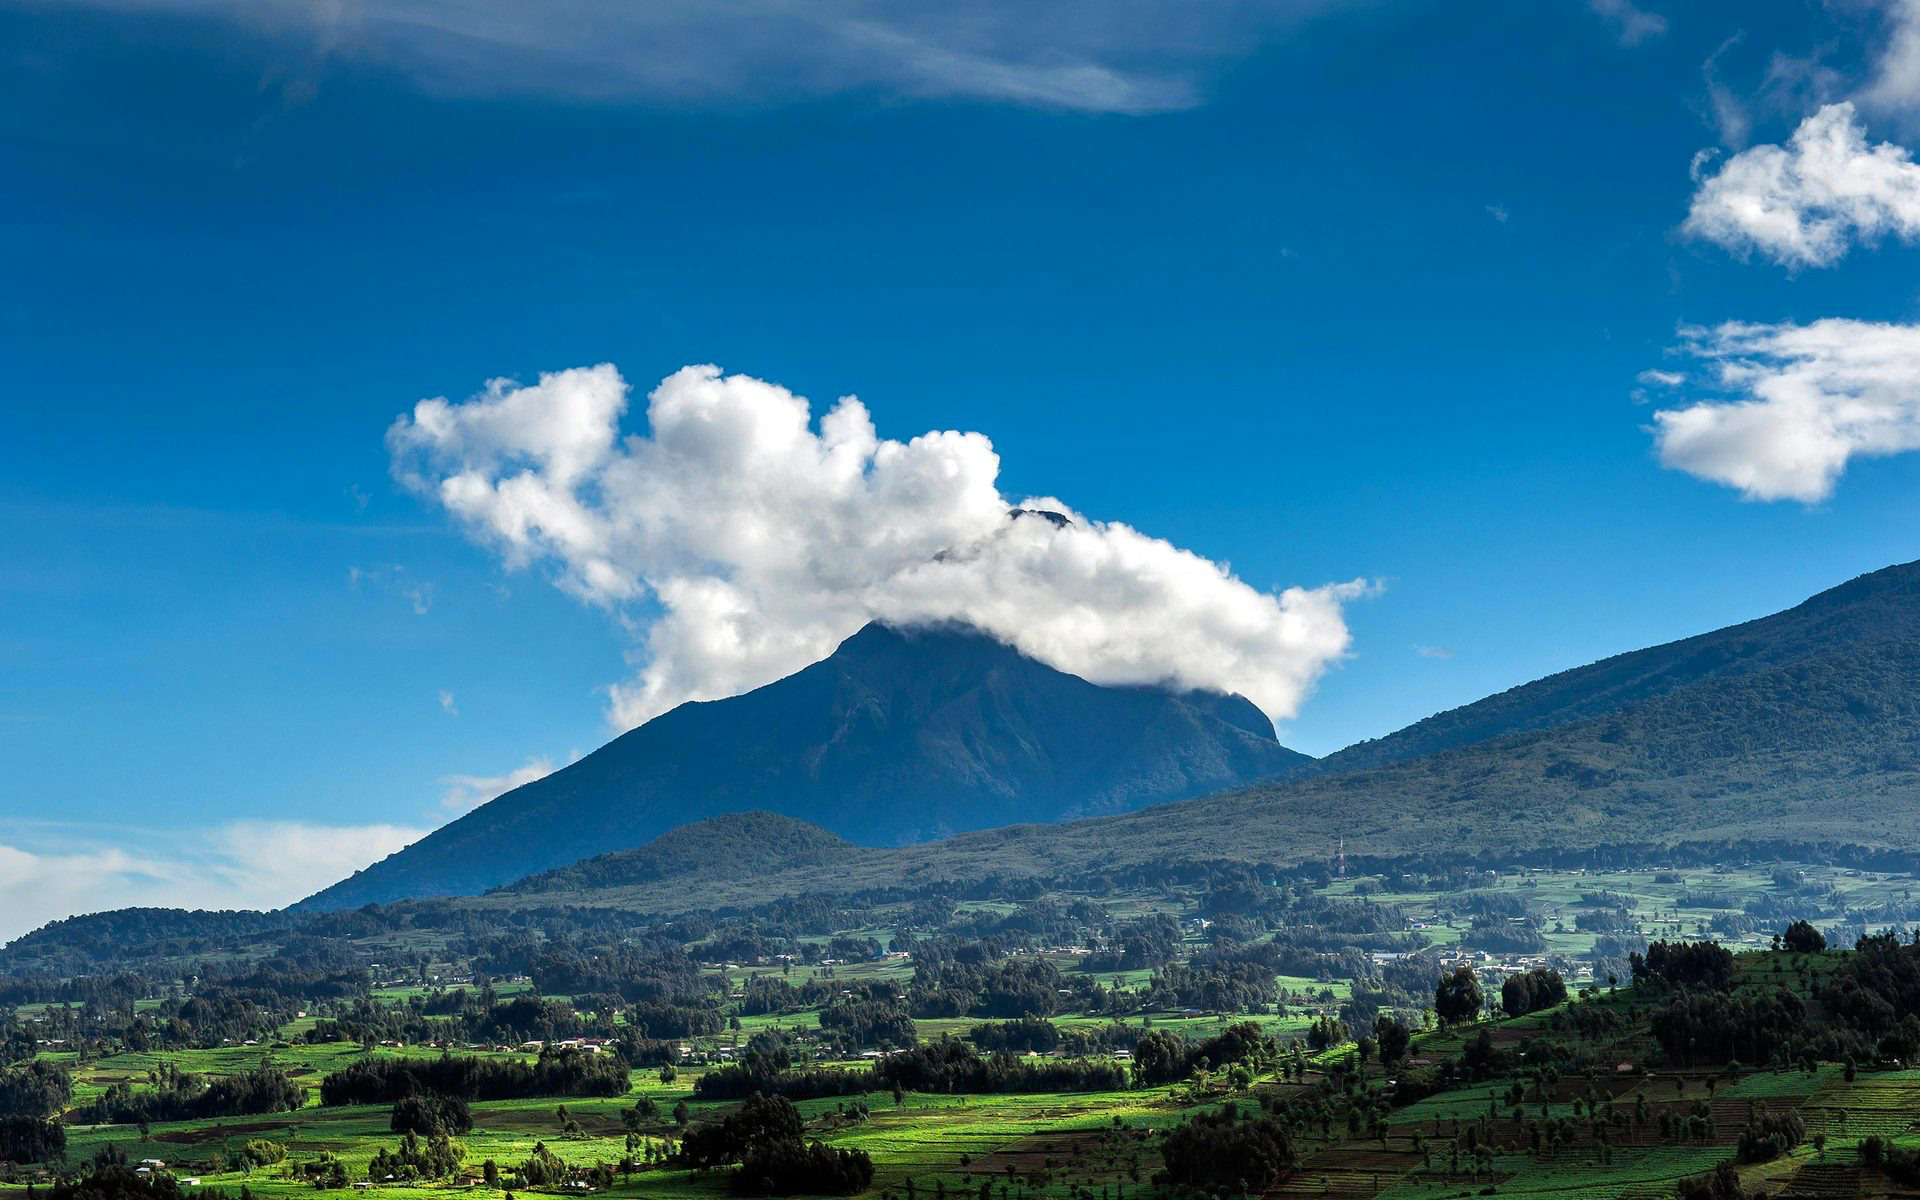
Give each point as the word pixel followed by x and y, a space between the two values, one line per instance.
pixel 1807 203
pixel 1498 212
pixel 464 793
pixel 1130 56
pixel 243 864
pixel 1665 379
pixel 1806 400
pixel 1443 653
pixel 447 704
pixel 1633 24
pixel 742 543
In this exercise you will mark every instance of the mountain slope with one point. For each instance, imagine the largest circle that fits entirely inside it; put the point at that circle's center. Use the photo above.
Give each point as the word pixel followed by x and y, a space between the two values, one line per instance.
pixel 1802 727
pixel 897 737
pixel 1863 610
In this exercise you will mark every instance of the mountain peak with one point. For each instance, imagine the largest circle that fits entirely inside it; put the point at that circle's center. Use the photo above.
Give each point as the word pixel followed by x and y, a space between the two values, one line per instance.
pixel 904 733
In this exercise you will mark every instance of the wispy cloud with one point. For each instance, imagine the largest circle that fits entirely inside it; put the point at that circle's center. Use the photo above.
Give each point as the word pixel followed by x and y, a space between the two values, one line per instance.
pixel 1443 653
pixel 464 793
pixel 1129 56
pixel 1498 212
pixel 48 872
pixel 1631 23
pixel 447 704
pixel 393 578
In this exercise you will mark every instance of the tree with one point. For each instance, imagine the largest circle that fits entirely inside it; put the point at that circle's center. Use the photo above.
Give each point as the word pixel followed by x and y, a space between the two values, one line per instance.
pixel 1802 938
pixel 1394 1039
pixel 1457 997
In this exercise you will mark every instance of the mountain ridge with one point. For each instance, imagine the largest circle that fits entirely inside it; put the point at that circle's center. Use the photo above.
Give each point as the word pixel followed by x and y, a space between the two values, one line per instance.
pixel 1799 726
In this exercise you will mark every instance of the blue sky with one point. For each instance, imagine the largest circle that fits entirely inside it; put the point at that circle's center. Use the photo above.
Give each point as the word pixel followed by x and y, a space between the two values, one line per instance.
pixel 1320 292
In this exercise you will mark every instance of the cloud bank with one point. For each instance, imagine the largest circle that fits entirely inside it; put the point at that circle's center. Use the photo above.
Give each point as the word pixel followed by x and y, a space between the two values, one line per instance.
pixel 741 542
pixel 243 864
pixel 1805 204
pixel 1806 400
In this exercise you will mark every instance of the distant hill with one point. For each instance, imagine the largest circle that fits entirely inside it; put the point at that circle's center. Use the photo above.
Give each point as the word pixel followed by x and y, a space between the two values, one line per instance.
pixel 899 736
pixel 1802 727
pixel 740 845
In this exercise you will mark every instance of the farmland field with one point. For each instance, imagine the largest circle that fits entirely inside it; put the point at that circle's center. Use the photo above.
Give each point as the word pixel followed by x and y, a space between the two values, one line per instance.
pixel 1618 1116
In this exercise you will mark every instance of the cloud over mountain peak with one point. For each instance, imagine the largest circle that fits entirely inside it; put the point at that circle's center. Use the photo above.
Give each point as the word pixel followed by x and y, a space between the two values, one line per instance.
pixel 741 542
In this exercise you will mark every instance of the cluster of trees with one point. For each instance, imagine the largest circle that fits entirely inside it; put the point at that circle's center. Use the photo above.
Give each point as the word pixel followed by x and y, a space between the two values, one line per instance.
pixel 563 1072
pixel 1219 986
pixel 1701 1026
pixel 1882 1154
pixel 1505 935
pixel 871 1018
pixel 1769 1135
pixel 960 986
pixel 434 1158
pixel 767 1137
pixel 34 1089
pixel 738 1081
pixel 1701 964
pixel 31 1140
pixel 1163 1057
pixel 954 1066
pixel 430 1114
pixel 1869 1006
pixel 175 1095
pixel 1226 1154
pixel 1532 991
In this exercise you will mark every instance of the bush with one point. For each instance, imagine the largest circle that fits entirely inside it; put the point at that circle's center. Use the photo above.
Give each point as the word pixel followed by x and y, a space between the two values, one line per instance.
pixel 263 1152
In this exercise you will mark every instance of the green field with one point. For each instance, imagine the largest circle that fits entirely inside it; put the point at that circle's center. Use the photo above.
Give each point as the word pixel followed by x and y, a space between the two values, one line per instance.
pixel 1075 1143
